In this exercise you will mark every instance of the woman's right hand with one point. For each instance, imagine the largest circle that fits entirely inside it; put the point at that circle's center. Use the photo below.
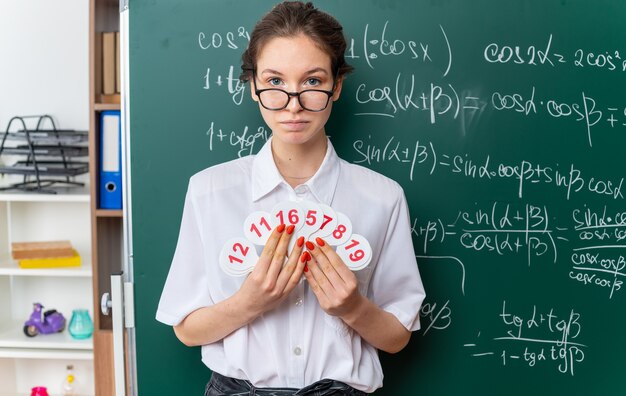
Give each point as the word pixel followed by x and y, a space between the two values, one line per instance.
pixel 268 284
pixel 273 279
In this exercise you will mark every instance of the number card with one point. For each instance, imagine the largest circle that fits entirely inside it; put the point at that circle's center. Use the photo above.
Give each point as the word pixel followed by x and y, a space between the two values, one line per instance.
pixel 238 257
pixel 257 227
pixel 342 232
pixel 313 217
pixel 288 213
pixel 356 252
pixel 329 222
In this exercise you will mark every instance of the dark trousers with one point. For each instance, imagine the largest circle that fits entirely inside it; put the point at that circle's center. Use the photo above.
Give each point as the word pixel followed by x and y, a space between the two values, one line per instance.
pixel 226 386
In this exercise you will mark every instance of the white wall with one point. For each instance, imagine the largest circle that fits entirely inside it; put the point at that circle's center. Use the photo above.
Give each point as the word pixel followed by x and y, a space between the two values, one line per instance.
pixel 44 62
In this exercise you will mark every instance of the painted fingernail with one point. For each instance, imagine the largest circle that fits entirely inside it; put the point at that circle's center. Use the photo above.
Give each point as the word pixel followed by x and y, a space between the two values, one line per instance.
pixel 290 229
pixel 280 228
pixel 306 256
pixel 310 245
pixel 320 241
pixel 306 268
pixel 300 241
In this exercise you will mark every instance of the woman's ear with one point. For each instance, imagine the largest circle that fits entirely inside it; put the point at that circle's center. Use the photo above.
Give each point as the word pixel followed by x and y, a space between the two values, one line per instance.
pixel 337 91
pixel 255 97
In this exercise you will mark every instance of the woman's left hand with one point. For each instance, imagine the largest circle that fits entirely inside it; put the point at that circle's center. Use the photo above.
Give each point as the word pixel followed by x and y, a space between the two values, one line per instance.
pixel 334 285
pixel 337 290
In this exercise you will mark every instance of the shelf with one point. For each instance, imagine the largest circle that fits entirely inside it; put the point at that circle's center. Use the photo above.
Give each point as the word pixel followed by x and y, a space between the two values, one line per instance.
pixel 49 150
pixel 56 137
pixel 56 168
pixel 109 213
pixel 9 267
pixel 106 106
pixel 29 353
pixel 13 341
pixel 64 194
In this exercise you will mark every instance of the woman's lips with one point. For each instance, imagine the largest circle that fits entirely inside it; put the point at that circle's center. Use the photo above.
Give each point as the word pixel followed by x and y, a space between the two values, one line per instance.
pixel 294 125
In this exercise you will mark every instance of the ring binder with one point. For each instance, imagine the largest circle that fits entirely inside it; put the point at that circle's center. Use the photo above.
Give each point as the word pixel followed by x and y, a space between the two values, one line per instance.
pixel 110 160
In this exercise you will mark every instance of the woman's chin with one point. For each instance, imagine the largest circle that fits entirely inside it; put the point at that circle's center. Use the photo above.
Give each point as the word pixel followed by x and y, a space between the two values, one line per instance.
pixel 294 138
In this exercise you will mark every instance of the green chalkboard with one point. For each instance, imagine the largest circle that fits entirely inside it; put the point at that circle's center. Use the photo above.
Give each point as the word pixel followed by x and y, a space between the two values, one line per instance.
pixel 504 121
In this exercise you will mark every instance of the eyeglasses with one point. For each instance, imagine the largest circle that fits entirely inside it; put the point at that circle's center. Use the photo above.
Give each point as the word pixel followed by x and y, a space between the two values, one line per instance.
pixel 277 99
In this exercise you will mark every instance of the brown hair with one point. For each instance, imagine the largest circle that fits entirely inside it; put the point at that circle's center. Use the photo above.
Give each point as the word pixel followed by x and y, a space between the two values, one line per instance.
pixel 289 19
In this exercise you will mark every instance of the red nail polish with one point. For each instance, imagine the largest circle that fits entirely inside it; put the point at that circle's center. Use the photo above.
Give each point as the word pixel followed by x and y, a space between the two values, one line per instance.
pixel 280 228
pixel 305 257
pixel 310 245
pixel 306 268
pixel 320 241
pixel 300 241
pixel 290 229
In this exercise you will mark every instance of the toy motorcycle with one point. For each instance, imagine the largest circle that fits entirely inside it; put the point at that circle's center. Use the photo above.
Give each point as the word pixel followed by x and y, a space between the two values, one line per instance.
pixel 52 322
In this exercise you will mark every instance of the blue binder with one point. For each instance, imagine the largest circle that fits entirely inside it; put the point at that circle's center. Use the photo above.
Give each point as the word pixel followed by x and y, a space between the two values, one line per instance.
pixel 110 160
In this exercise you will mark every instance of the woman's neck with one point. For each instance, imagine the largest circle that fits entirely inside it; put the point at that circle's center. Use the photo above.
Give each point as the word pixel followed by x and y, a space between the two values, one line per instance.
pixel 297 163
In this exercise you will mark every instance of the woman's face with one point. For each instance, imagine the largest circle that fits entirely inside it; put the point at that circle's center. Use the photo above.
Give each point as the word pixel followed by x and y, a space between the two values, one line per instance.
pixel 295 64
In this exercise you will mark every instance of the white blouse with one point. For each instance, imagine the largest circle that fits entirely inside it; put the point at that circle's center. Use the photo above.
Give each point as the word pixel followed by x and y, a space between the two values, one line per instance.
pixel 297 343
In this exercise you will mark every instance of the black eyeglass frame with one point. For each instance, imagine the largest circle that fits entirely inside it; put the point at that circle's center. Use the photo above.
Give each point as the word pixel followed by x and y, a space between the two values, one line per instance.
pixel 258 93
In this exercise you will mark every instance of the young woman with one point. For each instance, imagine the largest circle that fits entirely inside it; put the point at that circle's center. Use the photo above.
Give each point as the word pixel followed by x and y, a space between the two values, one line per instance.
pixel 273 332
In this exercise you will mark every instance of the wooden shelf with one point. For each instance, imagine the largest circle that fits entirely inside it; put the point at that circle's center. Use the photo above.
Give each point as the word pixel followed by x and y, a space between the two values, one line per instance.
pixel 109 213
pixel 106 106
pixel 106 224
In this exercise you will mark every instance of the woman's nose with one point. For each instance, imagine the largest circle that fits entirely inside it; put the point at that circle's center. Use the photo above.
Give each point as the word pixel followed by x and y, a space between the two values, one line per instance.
pixel 294 104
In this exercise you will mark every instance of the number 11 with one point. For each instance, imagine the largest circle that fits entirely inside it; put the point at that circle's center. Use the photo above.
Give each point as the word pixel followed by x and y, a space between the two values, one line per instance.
pixel 253 227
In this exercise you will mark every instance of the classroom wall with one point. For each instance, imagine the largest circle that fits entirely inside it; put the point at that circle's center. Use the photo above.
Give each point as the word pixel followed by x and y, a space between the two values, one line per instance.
pixel 44 67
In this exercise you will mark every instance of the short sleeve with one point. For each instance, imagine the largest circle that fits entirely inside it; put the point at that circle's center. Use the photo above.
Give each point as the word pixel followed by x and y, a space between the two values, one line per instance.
pixel 396 284
pixel 186 288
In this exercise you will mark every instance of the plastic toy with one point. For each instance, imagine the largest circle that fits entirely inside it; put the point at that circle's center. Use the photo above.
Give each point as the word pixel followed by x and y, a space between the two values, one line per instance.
pixel 51 322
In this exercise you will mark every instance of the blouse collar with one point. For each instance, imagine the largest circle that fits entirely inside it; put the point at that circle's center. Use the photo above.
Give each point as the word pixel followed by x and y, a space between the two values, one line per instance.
pixel 266 177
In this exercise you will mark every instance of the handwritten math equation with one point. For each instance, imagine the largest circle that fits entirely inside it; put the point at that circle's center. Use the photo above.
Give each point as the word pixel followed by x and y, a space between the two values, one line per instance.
pixel 600 260
pixel 546 55
pixel 424 155
pixel 502 229
pixel 535 338
pixel 437 100
pixel 245 140
pixel 381 40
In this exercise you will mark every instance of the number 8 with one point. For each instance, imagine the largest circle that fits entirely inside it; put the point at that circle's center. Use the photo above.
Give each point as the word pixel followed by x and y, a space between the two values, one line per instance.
pixel 339 231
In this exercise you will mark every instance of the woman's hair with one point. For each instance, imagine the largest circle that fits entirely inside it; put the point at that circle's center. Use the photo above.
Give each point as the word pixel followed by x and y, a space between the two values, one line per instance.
pixel 289 19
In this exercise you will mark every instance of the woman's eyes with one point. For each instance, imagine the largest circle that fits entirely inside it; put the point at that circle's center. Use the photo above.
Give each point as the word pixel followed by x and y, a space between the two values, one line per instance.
pixel 312 82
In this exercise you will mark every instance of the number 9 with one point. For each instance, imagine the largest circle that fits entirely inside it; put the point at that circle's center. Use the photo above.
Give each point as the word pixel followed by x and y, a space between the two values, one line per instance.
pixel 356 256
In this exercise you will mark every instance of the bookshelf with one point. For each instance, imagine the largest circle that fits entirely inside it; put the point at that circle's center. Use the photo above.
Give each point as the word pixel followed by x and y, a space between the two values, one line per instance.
pixel 41 360
pixel 106 225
